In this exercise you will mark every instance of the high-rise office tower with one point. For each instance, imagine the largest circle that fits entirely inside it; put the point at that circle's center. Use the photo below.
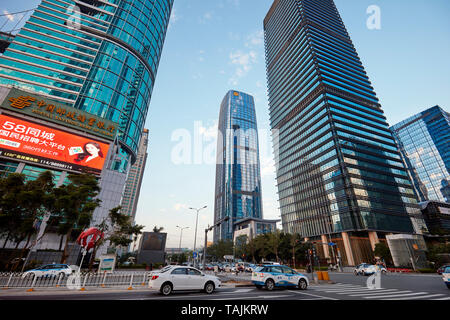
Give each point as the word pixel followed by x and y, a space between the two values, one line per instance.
pixel 339 173
pixel 101 57
pixel 238 178
pixel 424 144
pixel 134 181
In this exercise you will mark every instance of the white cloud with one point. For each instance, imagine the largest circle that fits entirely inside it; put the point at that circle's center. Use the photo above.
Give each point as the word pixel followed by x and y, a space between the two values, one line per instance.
pixel 8 15
pixel 267 167
pixel 173 18
pixel 234 36
pixel 180 206
pixel 209 132
pixel 244 62
pixel 255 39
pixel 235 3
pixel 206 17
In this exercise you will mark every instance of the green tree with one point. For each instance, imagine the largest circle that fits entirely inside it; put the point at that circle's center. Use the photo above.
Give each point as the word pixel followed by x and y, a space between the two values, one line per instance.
pixel 118 229
pixel 262 247
pixel 22 205
pixel 382 251
pixel 75 203
pixel 37 199
pixel 220 249
pixel 438 254
pixel 11 211
pixel 274 243
pixel 158 229
pixel 241 247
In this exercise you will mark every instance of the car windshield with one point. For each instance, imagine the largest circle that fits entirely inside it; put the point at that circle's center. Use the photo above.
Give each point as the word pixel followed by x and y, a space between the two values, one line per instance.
pixel 165 269
pixel 43 267
pixel 447 270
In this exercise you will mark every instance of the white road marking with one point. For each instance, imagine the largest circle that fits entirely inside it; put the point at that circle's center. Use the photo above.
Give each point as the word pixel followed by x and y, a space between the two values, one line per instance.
pixel 337 286
pixel 243 290
pixel 373 292
pixel 395 296
pixel 421 297
pixel 271 297
pixel 252 297
pixel 382 294
pixel 312 295
pixel 351 290
pixel 338 289
pixel 446 298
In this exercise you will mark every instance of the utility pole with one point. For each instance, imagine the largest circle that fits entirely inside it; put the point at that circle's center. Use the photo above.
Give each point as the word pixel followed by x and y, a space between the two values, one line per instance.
pixel 206 237
pixel 181 235
pixel 196 223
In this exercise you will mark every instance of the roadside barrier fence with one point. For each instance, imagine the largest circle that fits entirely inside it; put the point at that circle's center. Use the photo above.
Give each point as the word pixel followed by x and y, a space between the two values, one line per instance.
pixel 84 280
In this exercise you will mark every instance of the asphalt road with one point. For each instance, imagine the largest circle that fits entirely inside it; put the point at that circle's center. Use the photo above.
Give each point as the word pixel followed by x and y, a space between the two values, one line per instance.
pixel 346 287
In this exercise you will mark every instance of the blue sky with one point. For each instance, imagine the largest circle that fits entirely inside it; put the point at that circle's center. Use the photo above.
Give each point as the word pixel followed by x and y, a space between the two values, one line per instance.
pixel 213 46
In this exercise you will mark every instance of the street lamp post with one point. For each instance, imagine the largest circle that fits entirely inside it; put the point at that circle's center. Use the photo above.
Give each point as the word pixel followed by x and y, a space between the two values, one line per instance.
pixel 181 235
pixel 196 223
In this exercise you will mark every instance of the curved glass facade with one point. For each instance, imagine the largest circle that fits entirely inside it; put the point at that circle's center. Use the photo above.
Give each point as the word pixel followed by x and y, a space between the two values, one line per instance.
pixel 100 56
pixel 238 179
pixel 424 144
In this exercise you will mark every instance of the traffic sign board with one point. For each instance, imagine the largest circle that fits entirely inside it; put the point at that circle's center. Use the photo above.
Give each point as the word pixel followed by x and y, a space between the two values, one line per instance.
pixel 194 254
pixel 331 244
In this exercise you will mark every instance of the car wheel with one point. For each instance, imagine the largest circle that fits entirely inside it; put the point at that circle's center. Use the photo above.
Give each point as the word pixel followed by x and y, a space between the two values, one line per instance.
pixel 166 289
pixel 302 285
pixel 356 273
pixel 270 284
pixel 448 285
pixel 209 287
pixel 61 275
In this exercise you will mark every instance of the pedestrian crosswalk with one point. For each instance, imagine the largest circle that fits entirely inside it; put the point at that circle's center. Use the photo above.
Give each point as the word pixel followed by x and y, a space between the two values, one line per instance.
pixel 352 291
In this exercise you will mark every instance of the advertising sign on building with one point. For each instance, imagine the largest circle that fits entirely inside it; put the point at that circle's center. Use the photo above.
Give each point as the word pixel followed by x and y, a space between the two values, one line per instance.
pixel 60 113
pixel 27 141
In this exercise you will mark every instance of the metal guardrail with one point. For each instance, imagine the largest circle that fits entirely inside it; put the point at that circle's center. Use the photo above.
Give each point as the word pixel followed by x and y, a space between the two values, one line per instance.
pixel 85 280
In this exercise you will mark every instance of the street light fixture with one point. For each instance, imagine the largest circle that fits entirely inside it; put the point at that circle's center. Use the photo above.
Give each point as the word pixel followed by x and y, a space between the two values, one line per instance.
pixel 196 223
pixel 181 235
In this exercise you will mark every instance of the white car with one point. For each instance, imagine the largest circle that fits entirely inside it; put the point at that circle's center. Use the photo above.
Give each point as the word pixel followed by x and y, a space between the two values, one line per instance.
pixel 50 270
pixel 446 276
pixel 172 278
pixel 368 269
pixel 271 276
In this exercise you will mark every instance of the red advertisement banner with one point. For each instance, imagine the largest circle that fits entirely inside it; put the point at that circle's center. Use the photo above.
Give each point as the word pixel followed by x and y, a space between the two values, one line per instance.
pixel 27 141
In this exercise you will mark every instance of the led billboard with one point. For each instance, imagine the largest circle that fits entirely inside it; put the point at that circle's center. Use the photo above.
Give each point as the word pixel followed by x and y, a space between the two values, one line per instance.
pixel 27 141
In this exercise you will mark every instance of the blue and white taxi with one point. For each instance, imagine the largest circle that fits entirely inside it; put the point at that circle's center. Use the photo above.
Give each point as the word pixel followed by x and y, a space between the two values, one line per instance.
pixel 271 276
pixel 50 270
pixel 446 276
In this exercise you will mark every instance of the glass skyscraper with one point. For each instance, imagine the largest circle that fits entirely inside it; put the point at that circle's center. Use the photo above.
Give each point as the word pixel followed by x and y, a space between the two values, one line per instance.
pixel 238 178
pixel 99 56
pixel 339 173
pixel 424 141
pixel 134 181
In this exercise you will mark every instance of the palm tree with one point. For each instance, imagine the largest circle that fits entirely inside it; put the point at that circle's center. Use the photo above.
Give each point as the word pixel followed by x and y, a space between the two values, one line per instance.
pixel 157 230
